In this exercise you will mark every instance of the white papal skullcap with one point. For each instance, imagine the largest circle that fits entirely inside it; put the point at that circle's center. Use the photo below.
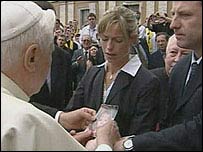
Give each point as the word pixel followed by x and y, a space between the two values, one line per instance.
pixel 18 16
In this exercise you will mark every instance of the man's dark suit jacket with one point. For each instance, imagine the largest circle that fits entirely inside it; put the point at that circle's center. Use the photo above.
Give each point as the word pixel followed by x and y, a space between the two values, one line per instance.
pixel 185 127
pixel 156 60
pixel 80 69
pixel 75 47
pixel 164 95
pixel 186 136
pixel 61 82
pixel 183 106
pixel 137 98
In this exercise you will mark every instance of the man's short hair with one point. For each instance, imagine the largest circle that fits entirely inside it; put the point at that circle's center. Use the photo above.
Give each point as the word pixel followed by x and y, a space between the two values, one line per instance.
pixel 92 15
pixel 162 33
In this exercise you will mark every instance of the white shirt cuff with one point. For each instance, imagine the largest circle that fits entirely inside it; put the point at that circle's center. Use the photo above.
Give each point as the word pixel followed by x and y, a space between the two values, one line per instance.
pixel 103 147
pixel 57 115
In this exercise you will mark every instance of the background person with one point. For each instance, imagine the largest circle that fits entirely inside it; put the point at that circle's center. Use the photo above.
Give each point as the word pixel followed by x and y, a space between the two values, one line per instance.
pixel 173 56
pixel 57 89
pixel 90 29
pixel 156 59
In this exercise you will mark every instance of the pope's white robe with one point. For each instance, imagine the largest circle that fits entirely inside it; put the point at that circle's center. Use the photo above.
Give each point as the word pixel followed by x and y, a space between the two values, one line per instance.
pixel 24 127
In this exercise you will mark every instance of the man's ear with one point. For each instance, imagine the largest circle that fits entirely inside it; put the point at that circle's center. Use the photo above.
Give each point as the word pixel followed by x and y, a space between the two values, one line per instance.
pixel 31 57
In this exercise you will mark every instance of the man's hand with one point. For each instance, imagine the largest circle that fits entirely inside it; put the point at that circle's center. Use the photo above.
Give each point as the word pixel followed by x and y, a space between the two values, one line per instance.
pixel 91 145
pixel 108 133
pixel 77 119
pixel 82 137
pixel 88 64
pixel 79 60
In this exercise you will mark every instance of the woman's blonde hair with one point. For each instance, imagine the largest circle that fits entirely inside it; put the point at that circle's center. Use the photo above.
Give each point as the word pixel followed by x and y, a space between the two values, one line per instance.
pixel 125 17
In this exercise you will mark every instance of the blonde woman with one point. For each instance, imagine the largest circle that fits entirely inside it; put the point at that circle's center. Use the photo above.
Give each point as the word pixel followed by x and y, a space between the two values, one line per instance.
pixel 120 80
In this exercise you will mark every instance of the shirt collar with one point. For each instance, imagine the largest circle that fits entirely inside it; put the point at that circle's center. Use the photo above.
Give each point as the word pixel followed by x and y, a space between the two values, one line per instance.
pixel 84 51
pixel 88 27
pixel 131 67
pixel 194 60
pixel 11 88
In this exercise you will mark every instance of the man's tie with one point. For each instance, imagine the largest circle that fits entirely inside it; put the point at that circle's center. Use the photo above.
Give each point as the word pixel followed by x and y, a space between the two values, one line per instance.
pixel 194 69
pixel 86 55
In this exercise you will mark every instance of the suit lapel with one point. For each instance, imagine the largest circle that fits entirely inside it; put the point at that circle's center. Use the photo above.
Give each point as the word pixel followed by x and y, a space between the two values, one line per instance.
pixel 182 76
pixel 98 87
pixel 121 82
pixel 190 89
pixel 194 83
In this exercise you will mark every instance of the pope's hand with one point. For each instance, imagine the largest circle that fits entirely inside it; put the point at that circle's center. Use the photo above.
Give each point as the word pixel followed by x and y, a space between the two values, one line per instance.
pixel 77 119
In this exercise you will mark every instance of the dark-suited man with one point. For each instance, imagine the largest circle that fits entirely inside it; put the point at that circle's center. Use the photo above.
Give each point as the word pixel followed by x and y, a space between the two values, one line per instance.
pixel 57 89
pixel 80 59
pixel 156 59
pixel 173 56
